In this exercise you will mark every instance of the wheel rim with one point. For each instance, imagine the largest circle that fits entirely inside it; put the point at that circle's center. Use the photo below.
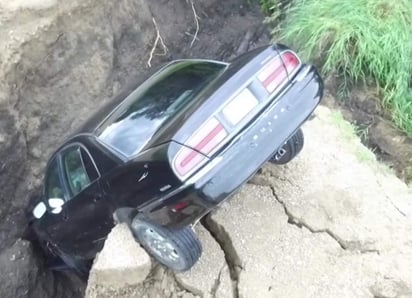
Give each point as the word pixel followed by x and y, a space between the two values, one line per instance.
pixel 160 247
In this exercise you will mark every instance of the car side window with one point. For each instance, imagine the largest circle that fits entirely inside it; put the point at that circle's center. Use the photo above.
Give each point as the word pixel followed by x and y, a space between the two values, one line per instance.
pixel 79 169
pixel 54 187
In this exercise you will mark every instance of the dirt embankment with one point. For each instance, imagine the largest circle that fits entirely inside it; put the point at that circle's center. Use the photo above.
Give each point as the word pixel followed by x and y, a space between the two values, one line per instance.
pixel 59 60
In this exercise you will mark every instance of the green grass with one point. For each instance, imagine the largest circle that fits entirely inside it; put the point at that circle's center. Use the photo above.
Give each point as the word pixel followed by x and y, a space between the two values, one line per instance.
pixel 268 6
pixel 348 130
pixel 365 40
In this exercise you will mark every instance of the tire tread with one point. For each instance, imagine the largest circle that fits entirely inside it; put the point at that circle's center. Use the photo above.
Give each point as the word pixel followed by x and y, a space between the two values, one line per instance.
pixel 185 239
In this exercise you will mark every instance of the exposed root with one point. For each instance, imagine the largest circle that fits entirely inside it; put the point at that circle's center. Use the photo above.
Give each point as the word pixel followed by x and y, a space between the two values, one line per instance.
pixel 157 40
pixel 196 22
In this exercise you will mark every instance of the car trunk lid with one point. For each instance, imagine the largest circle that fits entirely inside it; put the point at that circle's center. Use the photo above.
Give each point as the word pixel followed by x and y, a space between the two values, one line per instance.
pixel 249 86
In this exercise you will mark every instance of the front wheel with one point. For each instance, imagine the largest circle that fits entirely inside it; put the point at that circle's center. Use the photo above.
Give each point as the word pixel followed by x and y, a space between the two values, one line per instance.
pixel 290 149
pixel 176 249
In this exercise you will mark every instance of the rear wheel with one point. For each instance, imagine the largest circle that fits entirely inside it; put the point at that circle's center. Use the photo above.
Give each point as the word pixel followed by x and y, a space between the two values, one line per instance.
pixel 290 149
pixel 177 249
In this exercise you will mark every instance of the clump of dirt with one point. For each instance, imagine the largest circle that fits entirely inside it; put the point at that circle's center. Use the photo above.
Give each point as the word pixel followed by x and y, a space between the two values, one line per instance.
pixel 362 106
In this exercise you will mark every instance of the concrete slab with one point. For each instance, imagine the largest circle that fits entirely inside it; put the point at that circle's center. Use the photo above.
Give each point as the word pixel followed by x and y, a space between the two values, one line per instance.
pixel 332 223
pixel 121 263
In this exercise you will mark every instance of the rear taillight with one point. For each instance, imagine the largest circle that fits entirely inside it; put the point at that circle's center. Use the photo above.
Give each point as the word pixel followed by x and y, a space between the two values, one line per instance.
pixel 203 142
pixel 276 71
pixel 291 62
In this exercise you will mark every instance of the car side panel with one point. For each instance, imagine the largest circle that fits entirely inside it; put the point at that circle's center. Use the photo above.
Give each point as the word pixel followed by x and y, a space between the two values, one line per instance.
pixel 82 225
pixel 144 179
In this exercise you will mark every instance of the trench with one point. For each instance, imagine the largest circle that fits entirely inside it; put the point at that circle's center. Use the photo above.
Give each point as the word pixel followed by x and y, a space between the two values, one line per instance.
pixel 233 261
pixel 80 56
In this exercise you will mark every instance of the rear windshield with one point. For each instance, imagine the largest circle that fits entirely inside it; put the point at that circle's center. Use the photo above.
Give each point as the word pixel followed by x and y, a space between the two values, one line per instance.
pixel 139 116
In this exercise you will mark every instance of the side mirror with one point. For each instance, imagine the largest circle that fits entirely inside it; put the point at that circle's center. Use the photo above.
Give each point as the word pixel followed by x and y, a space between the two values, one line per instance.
pixel 56 205
pixel 39 210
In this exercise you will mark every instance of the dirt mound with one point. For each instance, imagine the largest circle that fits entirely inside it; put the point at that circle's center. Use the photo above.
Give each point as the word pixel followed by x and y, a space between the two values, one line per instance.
pixel 61 60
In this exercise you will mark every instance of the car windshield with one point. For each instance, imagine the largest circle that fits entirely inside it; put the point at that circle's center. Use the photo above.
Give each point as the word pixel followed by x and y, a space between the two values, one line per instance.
pixel 144 111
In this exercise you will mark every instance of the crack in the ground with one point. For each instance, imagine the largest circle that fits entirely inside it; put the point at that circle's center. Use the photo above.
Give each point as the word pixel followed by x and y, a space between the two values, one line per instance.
pixel 265 178
pixel 345 245
pixel 233 260
pixel 217 281
pixel 269 172
pixel 299 223
pixel 182 287
pixel 389 199
pixel 293 220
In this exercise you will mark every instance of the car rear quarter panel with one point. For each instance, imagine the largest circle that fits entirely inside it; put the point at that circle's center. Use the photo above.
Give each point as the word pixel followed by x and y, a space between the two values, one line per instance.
pixel 143 179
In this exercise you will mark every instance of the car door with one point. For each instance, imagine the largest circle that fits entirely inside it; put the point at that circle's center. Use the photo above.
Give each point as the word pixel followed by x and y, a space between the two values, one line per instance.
pixel 85 219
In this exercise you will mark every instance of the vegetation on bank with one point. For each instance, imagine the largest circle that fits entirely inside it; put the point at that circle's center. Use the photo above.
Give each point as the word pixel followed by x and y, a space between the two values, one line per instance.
pixel 362 40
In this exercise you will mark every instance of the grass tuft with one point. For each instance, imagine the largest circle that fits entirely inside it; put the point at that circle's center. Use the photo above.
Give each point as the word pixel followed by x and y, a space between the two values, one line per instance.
pixel 268 6
pixel 351 132
pixel 361 39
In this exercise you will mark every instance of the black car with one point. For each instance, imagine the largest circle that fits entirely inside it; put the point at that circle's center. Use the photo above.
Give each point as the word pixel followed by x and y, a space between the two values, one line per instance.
pixel 166 152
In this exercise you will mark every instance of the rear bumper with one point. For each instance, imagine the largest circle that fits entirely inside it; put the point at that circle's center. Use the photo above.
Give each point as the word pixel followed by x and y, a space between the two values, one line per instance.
pixel 238 162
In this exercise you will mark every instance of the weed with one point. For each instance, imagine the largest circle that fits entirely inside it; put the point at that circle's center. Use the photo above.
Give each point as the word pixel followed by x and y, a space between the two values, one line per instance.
pixel 363 154
pixel 352 131
pixel 348 130
pixel 408 173
pixel 268 6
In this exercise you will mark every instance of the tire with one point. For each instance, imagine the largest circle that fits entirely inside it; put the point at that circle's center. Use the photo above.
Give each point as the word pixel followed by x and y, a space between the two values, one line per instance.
pixel 178 250
pixel 290 149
